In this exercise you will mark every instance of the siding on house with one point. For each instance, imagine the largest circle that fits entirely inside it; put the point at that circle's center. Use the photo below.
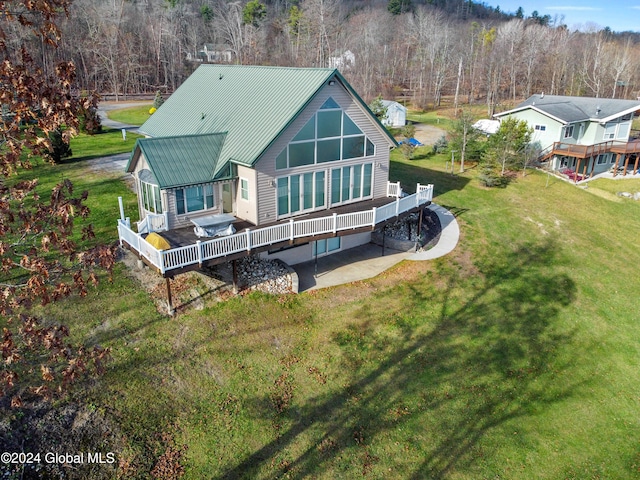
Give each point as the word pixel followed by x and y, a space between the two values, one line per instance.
pixel 247 209
pixel 266 166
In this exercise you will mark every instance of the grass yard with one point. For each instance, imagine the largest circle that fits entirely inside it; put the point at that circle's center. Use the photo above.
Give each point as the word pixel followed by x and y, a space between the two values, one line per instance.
pixel 513 357
pixel 136 115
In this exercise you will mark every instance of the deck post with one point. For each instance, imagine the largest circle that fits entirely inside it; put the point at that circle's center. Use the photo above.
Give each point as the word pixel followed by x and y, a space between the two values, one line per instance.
pixel 419 233
pixel 626 164
pixel 121 208
pixel 199 247
pixel 335 223
pixel 235 275
pixel 373 223
pixel 169 299
pixel 615 166
pixel 397 206
pixel 292 234
pixel 384 229
pixel 635 165
pixel 248 239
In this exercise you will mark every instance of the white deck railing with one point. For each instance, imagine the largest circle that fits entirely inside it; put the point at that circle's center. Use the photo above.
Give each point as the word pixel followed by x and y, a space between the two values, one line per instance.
pixel 153 222
pixel 202 251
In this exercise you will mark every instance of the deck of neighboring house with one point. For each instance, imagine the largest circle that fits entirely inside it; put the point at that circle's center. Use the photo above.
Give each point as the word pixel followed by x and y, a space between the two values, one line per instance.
pixel 588 151
pixel 188 252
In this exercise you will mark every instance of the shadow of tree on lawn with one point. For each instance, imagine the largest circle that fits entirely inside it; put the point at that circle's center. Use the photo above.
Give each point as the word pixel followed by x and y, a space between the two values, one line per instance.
pixel 461 362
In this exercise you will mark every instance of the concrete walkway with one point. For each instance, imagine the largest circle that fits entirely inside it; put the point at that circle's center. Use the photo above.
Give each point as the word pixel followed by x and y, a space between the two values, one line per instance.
pixel 367 261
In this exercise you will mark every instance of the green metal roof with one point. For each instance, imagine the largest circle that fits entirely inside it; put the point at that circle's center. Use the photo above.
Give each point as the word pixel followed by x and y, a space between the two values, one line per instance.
pixel 184 160
pixel 253 104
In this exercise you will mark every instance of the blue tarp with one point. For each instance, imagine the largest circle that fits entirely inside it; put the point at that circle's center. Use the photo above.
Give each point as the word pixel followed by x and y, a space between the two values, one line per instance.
pixel 413 142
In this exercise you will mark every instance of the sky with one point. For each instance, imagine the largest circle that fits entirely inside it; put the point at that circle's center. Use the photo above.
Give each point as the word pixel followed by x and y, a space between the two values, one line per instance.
pixel 618 15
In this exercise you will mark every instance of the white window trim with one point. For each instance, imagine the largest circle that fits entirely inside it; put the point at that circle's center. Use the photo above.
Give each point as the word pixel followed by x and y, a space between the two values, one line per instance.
pixel 244 188
pixel 568 131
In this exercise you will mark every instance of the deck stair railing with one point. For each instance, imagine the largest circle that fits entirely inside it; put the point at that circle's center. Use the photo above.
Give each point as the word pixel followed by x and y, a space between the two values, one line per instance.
pixel 153 222
pixel 249 239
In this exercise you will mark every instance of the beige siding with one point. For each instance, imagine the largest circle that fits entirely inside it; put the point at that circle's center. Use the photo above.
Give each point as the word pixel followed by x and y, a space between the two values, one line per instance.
pixel 265 167
pixel 247 209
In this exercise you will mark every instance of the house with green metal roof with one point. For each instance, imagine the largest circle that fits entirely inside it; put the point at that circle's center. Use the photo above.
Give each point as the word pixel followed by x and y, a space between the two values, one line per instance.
pixel 265 146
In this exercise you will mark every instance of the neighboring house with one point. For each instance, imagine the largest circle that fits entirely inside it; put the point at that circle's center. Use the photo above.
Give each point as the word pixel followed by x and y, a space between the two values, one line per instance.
pixel 396 114
pixel 342 59
pixel 582 135
pixel 292 157
pixel 211 53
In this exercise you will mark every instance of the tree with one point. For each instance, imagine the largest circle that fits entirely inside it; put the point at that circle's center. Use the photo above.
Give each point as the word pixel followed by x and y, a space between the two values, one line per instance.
pixel 253 13
pixel 407 148
pixel 465 139
pixel 158 100
pixel 378 109
pixel 88 117
pixel 60 147
pixel 39 257
pixel 398 7
pixel 505 149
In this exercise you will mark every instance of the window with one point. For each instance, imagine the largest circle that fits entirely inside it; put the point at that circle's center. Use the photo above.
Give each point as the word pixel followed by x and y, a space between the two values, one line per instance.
pixel 602 159
pixel 351 183
pixel 623 131
pixel 193 199
pixel 610 131
pixel 568 131
pixel 149 192
pixel 540 128
pixel 244 189
pixel 328 136
pixel 324 247
pixel 298 193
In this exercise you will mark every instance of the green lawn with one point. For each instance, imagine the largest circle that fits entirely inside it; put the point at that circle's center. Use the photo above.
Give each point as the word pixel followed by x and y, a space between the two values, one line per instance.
pixel 513 357
pixel 132 115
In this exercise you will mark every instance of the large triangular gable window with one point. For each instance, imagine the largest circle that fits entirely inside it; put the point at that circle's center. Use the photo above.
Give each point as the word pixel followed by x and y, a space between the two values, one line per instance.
pixel 329 135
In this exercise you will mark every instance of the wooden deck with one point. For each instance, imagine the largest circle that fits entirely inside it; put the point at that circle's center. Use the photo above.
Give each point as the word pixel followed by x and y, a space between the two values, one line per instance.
pixel 189 252
pixel 186 236
pixel 588 151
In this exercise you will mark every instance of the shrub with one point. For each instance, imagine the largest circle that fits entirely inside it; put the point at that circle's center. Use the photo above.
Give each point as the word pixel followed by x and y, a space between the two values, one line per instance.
pixel 59 147
pixel 441 145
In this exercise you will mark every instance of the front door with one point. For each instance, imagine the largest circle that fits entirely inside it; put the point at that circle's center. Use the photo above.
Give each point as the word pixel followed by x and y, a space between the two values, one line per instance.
pixel 227 198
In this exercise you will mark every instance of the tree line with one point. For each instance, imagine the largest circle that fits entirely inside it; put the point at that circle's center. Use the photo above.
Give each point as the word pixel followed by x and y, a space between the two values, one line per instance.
pixel 422 50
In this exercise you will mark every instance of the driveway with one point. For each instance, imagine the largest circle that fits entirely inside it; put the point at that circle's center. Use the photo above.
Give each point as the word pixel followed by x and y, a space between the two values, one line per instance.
pixel 114 163
pixel 428 134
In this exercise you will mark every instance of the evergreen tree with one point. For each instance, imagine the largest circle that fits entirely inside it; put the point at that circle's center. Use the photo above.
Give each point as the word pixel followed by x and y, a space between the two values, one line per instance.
pixel 158 100
pixel 505 150
pixel 397 7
